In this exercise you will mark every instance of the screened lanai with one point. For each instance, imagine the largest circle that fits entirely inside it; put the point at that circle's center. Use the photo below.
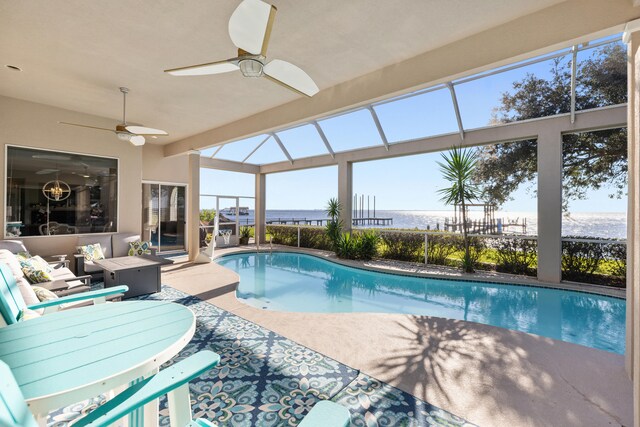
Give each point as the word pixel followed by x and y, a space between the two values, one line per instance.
pixel 461 111
pixel 454 107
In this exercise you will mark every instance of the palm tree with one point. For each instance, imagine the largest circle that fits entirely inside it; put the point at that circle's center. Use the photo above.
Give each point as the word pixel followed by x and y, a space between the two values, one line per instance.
pixel 458 167
pixel 334 225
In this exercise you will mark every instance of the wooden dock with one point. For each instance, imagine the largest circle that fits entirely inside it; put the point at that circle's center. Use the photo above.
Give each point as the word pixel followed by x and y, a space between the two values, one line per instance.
pixel 372 221
pixel 321 222
pixel 295 221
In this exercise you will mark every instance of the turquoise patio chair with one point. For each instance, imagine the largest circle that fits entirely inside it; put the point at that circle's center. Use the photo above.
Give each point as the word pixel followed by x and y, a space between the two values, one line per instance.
pixel 173 381
pixel 12 304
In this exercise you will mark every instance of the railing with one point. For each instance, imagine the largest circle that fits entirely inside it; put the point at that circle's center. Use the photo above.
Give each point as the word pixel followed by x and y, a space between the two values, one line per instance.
pixel 583 257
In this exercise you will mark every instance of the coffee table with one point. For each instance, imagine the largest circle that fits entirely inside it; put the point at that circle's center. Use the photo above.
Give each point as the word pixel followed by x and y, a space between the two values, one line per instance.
pixel 140 273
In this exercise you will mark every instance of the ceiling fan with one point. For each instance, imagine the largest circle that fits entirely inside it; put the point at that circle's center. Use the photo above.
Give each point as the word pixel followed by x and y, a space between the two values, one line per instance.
pixel 132 133
pixel 250 29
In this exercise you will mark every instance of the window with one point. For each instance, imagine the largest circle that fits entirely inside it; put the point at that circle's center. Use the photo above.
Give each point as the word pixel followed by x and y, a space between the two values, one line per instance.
pixel 237 151
pixel 351 131
pixel 51 193
pixel 303 141
pixel 602 76
pixel 419 116
pixel 536 90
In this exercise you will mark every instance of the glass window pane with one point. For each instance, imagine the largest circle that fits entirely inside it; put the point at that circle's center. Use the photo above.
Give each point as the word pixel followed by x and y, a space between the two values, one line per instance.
pixel 602 76
pixel 209 151
pixel 538 90
pixel 303 141
pixel 288 192
pixel 595 187
pixel 350 131
pixel 419 116
pixel 215 181
pixel 50 193
pixel 270 152
pixel 237 151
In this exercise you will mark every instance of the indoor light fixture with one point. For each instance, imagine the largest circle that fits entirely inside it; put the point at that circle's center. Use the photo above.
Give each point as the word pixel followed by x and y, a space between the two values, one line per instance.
pixel 56 190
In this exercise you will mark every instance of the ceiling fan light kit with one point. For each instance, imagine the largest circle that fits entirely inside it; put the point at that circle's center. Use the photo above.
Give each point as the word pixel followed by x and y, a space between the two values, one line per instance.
pixel 250 29
pixel 251 67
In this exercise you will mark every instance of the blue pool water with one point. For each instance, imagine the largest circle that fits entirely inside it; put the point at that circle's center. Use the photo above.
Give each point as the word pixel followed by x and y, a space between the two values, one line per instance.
pixel 303 283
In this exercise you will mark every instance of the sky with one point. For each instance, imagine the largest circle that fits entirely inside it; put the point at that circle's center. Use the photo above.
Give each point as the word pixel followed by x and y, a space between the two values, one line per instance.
pixel 405 183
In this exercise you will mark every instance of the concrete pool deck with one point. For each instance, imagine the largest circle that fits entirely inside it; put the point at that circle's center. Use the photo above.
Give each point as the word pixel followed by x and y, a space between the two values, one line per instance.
pixel 488 375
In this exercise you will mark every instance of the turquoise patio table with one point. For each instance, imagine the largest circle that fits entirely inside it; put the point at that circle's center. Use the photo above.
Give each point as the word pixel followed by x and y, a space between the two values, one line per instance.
pixel 72 355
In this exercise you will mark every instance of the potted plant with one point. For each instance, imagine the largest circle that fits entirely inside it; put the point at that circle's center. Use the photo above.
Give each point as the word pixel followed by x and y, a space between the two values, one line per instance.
pixel 245 233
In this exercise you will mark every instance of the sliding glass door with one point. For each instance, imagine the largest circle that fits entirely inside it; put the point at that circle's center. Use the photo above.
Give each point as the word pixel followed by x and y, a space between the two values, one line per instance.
pixel 163 216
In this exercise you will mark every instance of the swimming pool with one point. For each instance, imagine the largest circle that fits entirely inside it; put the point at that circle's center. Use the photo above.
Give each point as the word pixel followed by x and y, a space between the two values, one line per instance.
pixel 286 281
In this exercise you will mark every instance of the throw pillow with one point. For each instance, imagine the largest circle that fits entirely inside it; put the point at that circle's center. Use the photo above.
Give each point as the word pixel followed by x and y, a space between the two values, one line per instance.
pixel 92 252
pixel 38 260
pixel 44 294
pixel 23 255
pixel 26 314
pixel 139 248
pixel 35 272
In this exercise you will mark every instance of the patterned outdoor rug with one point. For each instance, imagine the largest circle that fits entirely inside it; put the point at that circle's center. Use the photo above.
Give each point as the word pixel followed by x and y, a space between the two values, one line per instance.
pixel 264 379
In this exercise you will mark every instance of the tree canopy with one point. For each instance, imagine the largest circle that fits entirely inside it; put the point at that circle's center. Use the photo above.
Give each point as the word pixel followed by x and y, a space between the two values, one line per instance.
pixel 591 160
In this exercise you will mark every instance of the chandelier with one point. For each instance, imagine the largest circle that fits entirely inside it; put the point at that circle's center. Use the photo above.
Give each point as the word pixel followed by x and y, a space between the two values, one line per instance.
pixel 56 190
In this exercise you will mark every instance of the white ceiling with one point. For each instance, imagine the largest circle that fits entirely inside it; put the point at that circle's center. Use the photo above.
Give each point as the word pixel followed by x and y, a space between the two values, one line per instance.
pixel 76 53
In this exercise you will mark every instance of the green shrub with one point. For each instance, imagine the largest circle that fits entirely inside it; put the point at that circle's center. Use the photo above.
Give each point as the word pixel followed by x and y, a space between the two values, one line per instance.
pixel 616 257
pixel 283 235
pixel 580 260
pixel 367 244
pixel 357 245
pixel 477 247
pixel 346 246
pixel 207 215
pixel 315 238
pixel 403 246
pixel 333 230
pixel 441 247
pixel 516 256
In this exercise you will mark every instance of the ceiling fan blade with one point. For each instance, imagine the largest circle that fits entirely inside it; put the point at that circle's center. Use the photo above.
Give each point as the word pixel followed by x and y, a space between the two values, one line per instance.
pixel 85 126
pixel 217 67
pixel 137 140
pixel 143 130
pixel 290 76
pixel 250 26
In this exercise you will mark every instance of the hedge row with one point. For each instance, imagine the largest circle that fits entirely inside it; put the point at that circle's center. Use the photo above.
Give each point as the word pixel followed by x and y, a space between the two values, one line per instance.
pixel 588 262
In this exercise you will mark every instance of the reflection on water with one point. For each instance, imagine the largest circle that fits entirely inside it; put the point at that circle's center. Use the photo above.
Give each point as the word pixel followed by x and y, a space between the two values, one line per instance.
pixel 303 283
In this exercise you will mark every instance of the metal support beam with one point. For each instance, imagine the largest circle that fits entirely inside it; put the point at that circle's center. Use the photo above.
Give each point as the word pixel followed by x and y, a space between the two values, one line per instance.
pixel 217 150
pixel 574 68
pixel 454 99
pixel 228 165
pixel 256 149
pixel 588 120
pixel 282 147
pixel 375 118
pixel 324 139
